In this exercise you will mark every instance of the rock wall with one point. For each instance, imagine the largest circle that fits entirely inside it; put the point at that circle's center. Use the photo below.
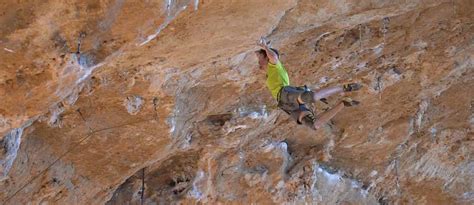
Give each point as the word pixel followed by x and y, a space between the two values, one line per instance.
pixel 159 102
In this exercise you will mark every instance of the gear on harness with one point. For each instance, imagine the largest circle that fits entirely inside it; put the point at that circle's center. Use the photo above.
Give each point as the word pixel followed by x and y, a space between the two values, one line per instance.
pixel 305 109
pixel 310 116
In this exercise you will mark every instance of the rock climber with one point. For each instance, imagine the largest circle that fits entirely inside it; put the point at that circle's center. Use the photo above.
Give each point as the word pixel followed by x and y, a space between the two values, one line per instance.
pixel 293 100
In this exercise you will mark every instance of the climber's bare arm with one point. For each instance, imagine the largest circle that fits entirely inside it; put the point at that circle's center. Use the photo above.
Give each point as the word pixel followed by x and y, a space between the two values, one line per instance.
pixel 272 56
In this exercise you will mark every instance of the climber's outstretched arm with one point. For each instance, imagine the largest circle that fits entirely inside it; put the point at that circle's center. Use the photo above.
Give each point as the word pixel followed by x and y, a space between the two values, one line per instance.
pixel 272 55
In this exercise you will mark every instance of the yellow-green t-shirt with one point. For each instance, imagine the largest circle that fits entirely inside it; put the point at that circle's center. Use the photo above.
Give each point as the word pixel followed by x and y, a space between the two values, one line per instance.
pixel 277 77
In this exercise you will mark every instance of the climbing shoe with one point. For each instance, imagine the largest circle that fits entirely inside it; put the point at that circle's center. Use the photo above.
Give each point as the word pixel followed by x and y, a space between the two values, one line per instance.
pixel 351 87
pixel 324 100
pixel 348 102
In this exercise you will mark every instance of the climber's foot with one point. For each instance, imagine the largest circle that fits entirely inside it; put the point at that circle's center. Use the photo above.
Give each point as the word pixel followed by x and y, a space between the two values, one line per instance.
pixel 351 87
pixel 348 102
pixel 324 100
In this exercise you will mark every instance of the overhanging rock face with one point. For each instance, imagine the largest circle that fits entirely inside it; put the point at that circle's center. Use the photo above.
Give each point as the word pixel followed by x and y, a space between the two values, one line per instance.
pixel 159 102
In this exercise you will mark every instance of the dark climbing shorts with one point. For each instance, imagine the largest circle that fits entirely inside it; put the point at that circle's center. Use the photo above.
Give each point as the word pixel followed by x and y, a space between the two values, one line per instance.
pixel 288 101
pixel 288 97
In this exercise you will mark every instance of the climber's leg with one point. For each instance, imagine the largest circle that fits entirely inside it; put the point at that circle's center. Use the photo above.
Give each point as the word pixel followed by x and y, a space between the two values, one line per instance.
pixel 314 96
pixel 328 115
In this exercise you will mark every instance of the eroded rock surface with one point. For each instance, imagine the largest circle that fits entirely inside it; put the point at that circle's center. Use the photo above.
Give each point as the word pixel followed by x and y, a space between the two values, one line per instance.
pixel 161 102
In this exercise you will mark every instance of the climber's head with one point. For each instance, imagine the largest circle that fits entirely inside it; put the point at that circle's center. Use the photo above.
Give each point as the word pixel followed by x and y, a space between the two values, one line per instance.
pixel 263 58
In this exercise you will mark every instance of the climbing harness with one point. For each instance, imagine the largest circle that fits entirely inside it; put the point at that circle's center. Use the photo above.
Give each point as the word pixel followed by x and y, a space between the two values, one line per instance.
pixel 303 107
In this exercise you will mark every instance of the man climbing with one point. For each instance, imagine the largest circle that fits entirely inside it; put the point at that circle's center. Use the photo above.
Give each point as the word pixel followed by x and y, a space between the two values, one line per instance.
pixel 294 100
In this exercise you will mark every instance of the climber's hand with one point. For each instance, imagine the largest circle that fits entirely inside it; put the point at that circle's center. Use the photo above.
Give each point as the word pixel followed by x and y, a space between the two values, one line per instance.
pixel 264 43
